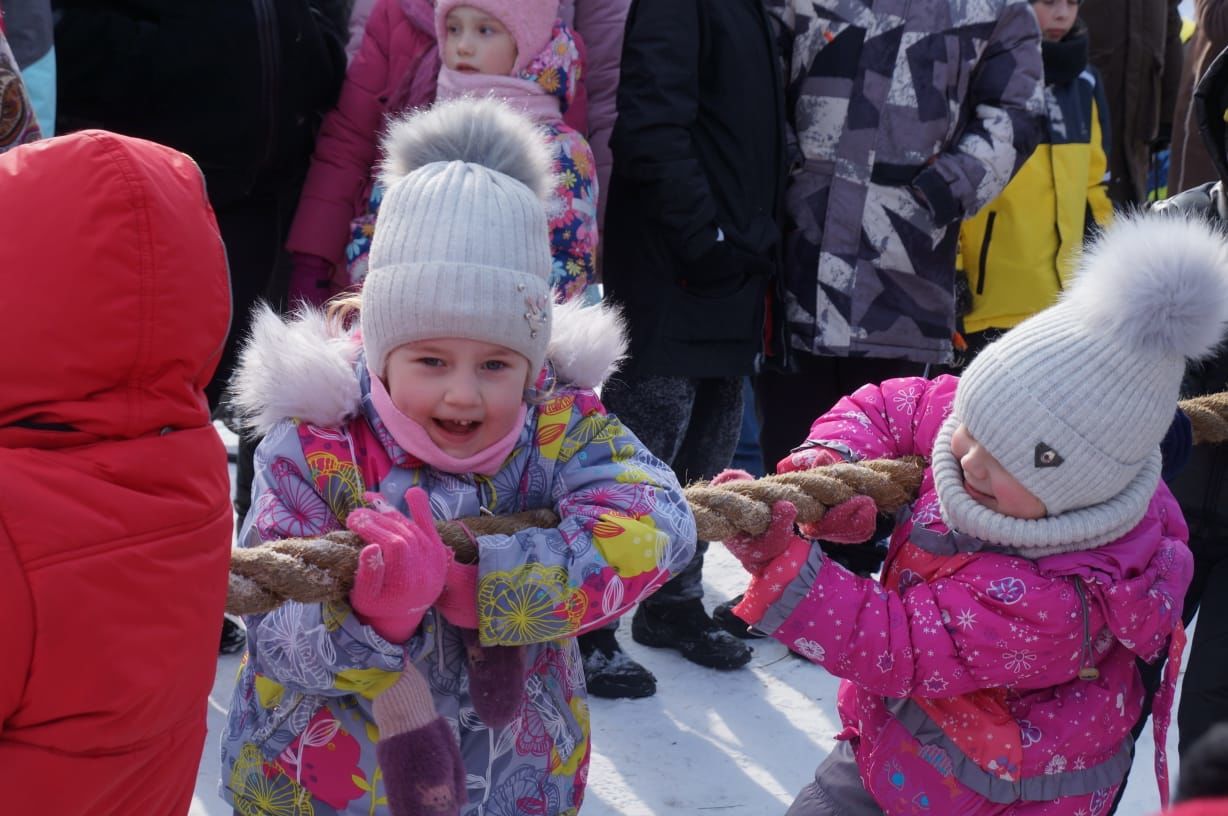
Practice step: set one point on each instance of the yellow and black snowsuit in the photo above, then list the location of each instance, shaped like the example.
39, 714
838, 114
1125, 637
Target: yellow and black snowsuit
1019, 251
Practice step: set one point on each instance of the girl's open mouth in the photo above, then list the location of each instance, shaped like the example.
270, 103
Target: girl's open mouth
458, 427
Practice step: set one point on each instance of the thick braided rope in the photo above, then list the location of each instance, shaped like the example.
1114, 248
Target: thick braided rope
312, 570
746, 506
1209, 417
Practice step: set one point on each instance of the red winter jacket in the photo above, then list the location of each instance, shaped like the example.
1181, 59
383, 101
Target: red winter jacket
115, 520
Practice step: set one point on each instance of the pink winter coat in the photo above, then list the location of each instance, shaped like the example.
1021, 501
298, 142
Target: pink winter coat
600, 24
394, 69
962, 689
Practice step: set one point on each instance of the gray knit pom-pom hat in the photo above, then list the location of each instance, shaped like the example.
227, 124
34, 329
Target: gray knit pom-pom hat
461, 246
1075, 400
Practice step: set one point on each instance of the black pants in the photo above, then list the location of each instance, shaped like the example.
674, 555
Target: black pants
692, 425
1202, 490
254, 232
790, 403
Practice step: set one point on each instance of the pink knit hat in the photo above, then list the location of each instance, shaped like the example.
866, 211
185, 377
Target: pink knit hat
530, 22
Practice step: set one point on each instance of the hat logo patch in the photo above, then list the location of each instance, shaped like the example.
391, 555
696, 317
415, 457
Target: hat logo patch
1047, 457
537, 317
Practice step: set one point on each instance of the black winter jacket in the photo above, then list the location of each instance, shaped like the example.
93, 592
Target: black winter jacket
239, 85
698, 147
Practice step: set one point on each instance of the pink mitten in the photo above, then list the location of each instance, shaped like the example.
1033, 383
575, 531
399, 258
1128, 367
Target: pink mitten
400, 572
731, 475
459, 600
849, 522
755, 552
310, 279
423, 771
765, 589
808, 458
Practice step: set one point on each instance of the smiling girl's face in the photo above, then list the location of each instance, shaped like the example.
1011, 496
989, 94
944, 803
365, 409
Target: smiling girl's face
466, 394
477, 43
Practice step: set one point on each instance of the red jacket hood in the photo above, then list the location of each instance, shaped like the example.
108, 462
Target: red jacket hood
118, 292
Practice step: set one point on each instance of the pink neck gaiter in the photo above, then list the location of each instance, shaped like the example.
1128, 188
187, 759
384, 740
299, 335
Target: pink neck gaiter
417, 442
523, 94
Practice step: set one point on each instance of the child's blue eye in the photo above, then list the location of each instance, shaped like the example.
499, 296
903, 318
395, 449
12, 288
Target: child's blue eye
432, 362
494, 365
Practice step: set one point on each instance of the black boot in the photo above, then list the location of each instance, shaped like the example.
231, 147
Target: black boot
722, 616
609, 672
686, 627
234, 637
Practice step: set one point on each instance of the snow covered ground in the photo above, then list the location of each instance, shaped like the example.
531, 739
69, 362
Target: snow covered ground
739, 743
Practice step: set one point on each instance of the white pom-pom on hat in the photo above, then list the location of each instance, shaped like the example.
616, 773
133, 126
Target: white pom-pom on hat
1159, 281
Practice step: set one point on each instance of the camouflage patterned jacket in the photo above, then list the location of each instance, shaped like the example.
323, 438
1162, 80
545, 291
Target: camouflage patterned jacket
909, 115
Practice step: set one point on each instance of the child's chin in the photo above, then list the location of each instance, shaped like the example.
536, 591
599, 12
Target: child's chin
457, 451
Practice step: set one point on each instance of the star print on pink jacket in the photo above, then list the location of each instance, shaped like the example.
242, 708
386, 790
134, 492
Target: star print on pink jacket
964, 669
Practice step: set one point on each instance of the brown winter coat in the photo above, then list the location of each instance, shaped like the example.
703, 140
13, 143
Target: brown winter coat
1191, 165
1136, 45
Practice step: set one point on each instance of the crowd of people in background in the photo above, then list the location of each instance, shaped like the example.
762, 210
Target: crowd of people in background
816, 220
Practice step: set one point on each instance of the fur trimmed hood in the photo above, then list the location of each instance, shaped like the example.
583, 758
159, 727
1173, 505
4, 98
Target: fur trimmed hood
298, 367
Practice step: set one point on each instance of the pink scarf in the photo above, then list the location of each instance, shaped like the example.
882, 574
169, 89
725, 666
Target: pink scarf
523, 94
417, 442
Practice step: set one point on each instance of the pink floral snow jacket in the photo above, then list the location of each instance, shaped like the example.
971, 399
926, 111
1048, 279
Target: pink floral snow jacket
962, 687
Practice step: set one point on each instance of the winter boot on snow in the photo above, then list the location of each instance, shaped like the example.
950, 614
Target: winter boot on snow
234, 636
722, 616
685, 626
609, 672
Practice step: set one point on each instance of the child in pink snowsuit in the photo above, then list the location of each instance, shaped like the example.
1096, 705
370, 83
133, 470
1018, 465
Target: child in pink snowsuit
991, 669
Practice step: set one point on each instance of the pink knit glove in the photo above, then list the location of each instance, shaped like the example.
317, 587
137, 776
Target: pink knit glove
459, 601
807, 459
850, 522
311, 279
756, 552
767, 588
402, 569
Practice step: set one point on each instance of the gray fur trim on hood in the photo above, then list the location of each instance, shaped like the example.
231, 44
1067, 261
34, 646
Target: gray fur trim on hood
299, 367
